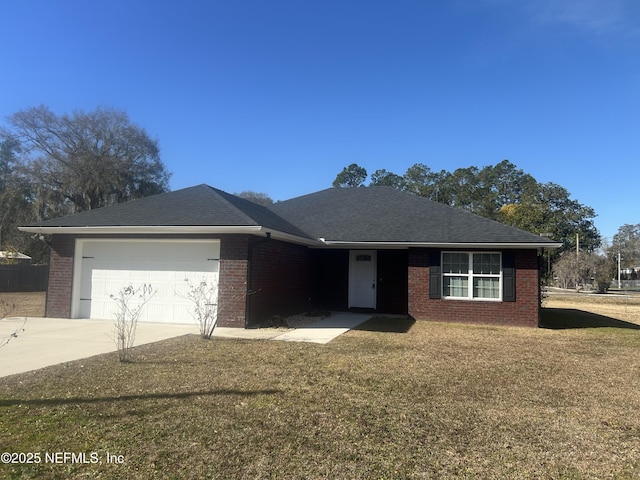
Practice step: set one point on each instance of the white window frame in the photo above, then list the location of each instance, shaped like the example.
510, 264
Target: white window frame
470, 276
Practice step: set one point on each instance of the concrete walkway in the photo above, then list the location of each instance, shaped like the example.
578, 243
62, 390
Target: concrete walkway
49, 341
325, 330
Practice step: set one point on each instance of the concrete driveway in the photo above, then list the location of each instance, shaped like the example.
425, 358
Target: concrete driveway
50, 341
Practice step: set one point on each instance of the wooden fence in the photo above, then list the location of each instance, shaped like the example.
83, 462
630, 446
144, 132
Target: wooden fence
24, 277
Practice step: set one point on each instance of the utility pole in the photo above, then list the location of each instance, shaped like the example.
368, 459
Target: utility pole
619, 272
577, 245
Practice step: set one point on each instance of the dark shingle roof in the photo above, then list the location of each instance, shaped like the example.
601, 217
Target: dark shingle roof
365, 214
384, 214
201, 205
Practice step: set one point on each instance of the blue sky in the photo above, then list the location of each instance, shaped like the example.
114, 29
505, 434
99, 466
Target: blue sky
277, 96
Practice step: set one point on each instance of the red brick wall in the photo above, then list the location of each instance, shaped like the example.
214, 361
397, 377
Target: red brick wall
60, 276
524, 311
232, 290
280, 280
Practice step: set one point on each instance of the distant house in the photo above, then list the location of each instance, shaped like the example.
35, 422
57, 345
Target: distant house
368, 249
13, 258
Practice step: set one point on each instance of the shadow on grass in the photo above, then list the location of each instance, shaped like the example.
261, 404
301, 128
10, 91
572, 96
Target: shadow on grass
565, 318
9, 402
387, 324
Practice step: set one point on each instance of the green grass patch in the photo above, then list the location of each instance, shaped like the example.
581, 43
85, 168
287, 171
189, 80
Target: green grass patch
412, 400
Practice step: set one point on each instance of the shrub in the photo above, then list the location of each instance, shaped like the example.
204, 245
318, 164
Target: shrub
127, 315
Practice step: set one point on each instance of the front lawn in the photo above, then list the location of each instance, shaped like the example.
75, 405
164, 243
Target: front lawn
439, 401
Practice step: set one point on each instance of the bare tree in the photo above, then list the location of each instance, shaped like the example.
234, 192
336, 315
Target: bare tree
87, 160
576, 270
627, 243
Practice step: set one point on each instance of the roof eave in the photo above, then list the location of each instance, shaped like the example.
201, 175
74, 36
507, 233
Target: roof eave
263, 231
168, 230
457, 245
138, 229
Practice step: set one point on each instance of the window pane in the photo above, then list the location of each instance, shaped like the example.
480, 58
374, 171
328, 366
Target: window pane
486, 263
486, 287
456, 286
455, 263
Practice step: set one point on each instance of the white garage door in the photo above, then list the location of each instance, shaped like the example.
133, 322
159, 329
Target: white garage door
105, 267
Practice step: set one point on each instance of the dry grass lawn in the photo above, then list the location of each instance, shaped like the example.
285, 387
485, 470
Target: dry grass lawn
27, 304
437, 401
621, 307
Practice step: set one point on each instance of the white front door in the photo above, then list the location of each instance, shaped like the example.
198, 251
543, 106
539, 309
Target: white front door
362, 278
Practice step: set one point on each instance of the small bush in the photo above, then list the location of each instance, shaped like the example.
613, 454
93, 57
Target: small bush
204, 299
129, 311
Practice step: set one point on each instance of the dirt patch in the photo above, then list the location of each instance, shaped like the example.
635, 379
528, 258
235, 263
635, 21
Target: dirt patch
24, 304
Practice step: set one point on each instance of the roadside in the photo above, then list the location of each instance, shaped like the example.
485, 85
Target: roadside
609, 294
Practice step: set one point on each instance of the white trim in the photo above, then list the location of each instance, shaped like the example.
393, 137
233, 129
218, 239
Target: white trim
135, 230
470, 275
288, 237
261, 230
402, 245
171, 230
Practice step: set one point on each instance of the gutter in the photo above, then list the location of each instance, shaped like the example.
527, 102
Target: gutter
168, 230
139, 229
404, 245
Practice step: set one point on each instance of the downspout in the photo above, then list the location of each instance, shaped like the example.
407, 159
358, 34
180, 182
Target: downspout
247, 298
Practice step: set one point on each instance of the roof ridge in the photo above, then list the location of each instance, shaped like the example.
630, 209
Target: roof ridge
222, 194
263, 209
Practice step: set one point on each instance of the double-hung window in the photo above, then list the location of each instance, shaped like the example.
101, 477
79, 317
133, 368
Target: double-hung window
472, 275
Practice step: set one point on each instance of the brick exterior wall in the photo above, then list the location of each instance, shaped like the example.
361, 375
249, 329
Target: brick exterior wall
60, 277
280, 280
232, 286
284, 281
523, 312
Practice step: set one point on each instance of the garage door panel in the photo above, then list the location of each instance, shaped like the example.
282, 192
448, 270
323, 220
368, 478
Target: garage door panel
152, 249
109, 267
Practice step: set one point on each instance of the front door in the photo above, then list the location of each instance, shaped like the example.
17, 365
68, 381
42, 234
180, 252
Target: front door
362, 278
